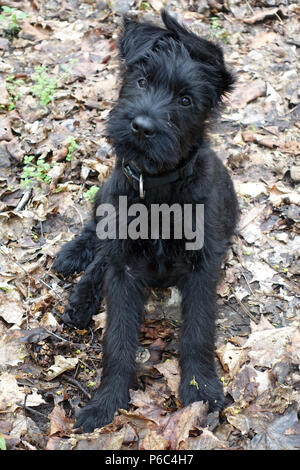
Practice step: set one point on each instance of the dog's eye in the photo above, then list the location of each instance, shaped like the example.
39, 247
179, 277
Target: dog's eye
142, 83
185, 101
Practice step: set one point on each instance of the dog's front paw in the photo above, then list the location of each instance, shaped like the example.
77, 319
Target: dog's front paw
101, 411
202, 389
66, 263
74, 257
76, 316
94, 416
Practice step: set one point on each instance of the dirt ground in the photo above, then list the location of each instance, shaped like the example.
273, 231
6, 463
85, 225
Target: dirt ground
58, 81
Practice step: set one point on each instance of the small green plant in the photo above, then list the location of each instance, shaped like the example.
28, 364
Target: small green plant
145, 6
2, 443
35, 172
10, 17
217, 33
12, 86
45, 86
91, 193
72, 146
68, 67
194, 383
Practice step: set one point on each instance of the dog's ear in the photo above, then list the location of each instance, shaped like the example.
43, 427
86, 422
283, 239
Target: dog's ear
137, 39
203, 51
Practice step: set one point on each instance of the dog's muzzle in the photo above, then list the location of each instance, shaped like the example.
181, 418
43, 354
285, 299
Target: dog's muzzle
143, 127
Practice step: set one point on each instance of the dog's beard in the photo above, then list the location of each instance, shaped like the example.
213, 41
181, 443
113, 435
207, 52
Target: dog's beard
157, 154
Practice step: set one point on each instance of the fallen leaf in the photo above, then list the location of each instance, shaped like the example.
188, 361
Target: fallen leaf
265, 348
263, 14
281, 434
173, 430
61, 364
4, 96
10, 351
170, 370
263, 38
246, 93
252, 189
278, 193
231, 358
153, 440
206, 441
11, 394
59, 423
11, 308
97, 441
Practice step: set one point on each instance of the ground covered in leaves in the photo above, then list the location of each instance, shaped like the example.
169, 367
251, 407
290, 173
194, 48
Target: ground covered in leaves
58, 81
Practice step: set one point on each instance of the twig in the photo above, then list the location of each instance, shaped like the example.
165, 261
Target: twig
292, 110
29, 275
63, 339
243, 274
27, 304
243, 307
77, 384
28, 408
81, 219
250, 7
23, 201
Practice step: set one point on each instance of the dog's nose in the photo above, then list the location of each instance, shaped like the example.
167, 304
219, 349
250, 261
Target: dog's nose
143, 126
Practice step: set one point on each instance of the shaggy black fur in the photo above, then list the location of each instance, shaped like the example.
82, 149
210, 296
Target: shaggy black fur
173, 80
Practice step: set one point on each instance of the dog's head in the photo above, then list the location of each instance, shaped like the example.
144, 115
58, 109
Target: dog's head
172, 80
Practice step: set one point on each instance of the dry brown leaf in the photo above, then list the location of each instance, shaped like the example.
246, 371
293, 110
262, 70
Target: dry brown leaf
59, 423
170, 370
98, 441
174, 428
206, 441
247, 92
263, 14
293, 347
265, 348
154, 441
4, 96
5, 129
264, 140
263, 38
252, 189
183, 421
252, 417
11, 308
61, 364
11, 352
278, 193
157, 4
100, 320
11, 394
32, 33
231, 358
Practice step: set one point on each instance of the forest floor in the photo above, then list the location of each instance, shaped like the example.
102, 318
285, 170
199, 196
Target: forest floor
58, 82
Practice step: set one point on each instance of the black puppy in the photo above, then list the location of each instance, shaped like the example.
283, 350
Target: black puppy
171, 82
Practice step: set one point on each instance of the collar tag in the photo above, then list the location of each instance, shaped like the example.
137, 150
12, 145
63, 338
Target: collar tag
141, 187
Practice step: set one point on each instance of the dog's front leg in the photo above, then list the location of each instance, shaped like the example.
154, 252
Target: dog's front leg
125, 304
198, 377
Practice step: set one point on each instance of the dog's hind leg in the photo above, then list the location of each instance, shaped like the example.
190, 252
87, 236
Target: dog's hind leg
198, 377
77, 254
86, 296
125, 305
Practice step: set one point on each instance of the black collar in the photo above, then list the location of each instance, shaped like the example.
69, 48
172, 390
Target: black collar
141, 182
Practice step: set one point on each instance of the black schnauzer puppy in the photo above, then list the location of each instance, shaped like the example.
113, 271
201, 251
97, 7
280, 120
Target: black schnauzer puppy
171, 82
